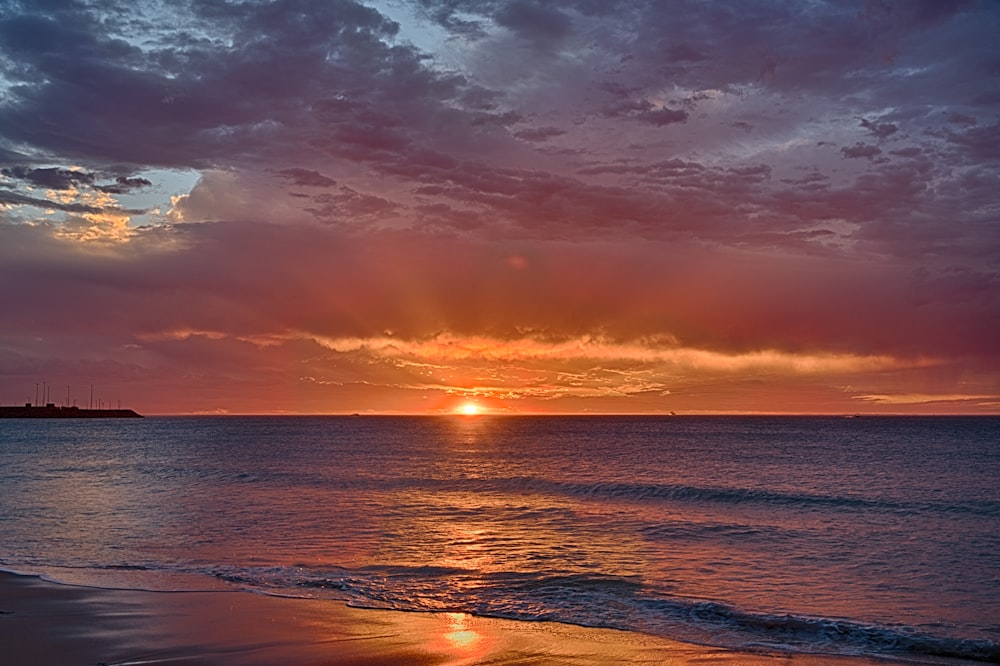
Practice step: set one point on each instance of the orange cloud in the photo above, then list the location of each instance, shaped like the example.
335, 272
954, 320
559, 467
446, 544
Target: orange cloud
924, 398
447, 347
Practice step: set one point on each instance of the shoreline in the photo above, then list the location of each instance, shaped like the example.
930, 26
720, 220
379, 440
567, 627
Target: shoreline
53, 624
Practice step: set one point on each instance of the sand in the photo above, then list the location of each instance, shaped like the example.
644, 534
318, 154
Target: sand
47, 624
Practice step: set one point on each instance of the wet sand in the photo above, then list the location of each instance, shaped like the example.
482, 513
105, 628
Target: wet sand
47, 624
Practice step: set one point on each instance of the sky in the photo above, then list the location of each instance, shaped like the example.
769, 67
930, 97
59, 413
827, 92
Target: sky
536, 206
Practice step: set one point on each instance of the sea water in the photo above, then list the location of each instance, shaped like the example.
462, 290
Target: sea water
850, 536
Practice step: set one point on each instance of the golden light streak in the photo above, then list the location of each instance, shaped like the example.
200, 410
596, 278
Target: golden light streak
448, 348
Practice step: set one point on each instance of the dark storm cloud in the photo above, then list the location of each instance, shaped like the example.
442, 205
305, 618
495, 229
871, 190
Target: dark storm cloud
241, 85
16, 199
245, 85
244, 91
52, 178
539, 22
124, 185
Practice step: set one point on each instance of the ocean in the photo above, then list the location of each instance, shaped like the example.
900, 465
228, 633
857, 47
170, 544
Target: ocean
875, 536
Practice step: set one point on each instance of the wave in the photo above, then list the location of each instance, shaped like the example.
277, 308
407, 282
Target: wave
615, 602
830, 635
641, 492
718, 495
677, 530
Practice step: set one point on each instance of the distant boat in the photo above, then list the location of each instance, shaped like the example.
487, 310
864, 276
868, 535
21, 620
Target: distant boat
50, 411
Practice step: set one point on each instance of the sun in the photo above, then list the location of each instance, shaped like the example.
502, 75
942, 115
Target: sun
469, 409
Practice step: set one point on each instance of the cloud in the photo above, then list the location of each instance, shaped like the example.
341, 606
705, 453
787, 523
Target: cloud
539, 133
193, 102
15, 199
333, 284
661, 117
535, 21
861, 151
124, 185
879, 130
53, 178
306, 178
925, 398
978, 143
813, 182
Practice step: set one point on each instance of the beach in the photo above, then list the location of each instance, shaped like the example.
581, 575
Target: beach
49, 624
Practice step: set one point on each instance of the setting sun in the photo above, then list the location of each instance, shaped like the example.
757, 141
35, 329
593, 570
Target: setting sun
469, 409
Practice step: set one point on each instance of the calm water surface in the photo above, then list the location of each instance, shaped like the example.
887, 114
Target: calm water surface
876, 536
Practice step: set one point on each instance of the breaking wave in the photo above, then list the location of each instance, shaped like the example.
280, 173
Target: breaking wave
615, 602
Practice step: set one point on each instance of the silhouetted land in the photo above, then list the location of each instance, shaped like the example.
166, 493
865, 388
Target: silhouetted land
53, 412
